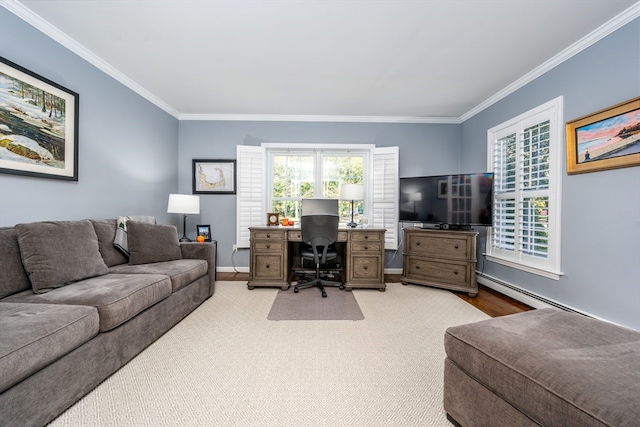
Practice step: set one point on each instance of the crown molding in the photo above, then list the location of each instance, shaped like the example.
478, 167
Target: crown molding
36, 21
48, 29
604, 30
312, 118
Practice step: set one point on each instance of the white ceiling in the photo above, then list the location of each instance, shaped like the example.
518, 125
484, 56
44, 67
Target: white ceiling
395, 60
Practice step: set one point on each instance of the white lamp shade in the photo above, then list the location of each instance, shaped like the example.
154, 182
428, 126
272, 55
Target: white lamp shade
352, 192
414, 197
183, 204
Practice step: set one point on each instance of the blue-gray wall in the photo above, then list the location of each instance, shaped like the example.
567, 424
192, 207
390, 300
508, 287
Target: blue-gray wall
424, 149
600, 210
127, 145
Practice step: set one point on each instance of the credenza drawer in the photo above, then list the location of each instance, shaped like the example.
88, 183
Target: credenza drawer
447, 272
440, 247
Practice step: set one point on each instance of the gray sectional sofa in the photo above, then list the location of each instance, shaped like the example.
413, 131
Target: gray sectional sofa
74, 309
545, 367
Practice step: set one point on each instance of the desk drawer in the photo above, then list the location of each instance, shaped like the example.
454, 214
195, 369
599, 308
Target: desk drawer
294, 235
267, 267
365, 236
268, 234
365, 268
268, 246
374, 247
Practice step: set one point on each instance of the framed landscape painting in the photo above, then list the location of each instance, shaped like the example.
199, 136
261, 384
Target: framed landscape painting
38, 125
604, 140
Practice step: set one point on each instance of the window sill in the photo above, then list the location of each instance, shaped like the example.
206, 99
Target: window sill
549, 274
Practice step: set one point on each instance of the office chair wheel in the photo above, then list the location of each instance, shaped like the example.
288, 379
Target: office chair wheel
296, 290
342, 286
324, 293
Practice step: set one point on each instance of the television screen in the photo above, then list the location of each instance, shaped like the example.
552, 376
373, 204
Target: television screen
456, 200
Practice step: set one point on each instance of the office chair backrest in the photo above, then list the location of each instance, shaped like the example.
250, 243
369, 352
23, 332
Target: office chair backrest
319, 206
319, 232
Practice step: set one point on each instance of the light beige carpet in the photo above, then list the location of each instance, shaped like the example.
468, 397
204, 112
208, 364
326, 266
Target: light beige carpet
227, 365
308, 304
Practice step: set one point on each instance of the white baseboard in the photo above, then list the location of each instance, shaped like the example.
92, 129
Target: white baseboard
393, 271
232, 269
526, 297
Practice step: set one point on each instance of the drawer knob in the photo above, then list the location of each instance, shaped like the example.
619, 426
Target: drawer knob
455, 272
417, 267
456, 246
268, 266
366, 268
417, 243
366, 248
268, 246
366, 237
268, 235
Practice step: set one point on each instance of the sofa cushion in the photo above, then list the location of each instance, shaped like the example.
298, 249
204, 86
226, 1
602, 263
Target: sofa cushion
13, 278
549, 363
34, 335
57, 253
152, 243
118, 297
106, 232
182, 271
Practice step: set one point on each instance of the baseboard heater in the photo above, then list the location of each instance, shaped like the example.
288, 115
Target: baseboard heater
521, 295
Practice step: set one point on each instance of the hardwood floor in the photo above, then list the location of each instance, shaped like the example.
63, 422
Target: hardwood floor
489, 301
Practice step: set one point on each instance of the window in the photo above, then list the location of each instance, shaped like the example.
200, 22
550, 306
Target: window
525, 156
276, 177
314, 173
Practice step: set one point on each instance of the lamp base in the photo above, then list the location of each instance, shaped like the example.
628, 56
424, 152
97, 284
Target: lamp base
185, 239
352, 224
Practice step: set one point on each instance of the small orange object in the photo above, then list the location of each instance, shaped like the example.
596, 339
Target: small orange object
291, 222
285, 221
200, 238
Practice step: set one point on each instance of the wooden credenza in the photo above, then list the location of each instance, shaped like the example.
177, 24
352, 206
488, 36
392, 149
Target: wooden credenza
440, 258
272, 254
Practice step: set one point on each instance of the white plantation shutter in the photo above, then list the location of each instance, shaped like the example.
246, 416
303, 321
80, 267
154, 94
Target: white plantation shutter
525, 155
250, 191
384, 188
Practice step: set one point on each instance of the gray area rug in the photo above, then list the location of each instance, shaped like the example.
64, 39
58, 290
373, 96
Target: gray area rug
308, 304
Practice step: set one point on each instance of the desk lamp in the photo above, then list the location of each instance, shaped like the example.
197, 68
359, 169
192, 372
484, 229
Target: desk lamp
352, 192
184, 204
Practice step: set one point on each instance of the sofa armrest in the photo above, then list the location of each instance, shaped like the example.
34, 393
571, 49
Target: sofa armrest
205, 251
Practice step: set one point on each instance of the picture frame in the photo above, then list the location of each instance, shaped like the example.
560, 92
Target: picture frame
38, 125
606, 139
212, 176
443, 188
205, 231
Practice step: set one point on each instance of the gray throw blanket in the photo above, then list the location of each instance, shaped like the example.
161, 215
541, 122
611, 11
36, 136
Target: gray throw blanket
120, 241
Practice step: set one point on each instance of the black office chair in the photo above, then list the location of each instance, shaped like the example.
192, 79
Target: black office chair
319, 234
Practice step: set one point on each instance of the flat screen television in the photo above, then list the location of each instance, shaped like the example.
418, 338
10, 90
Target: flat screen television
447, 201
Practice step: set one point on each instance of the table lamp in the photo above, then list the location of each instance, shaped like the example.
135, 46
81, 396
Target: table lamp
184, 204
352, 192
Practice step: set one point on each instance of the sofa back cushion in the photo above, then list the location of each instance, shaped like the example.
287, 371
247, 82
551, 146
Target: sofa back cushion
13, 278
150, 243
56, 253
106, 232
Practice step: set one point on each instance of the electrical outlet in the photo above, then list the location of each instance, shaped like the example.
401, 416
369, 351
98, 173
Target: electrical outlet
235, 248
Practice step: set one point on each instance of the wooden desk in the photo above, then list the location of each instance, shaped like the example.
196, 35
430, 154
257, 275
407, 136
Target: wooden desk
272, 254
